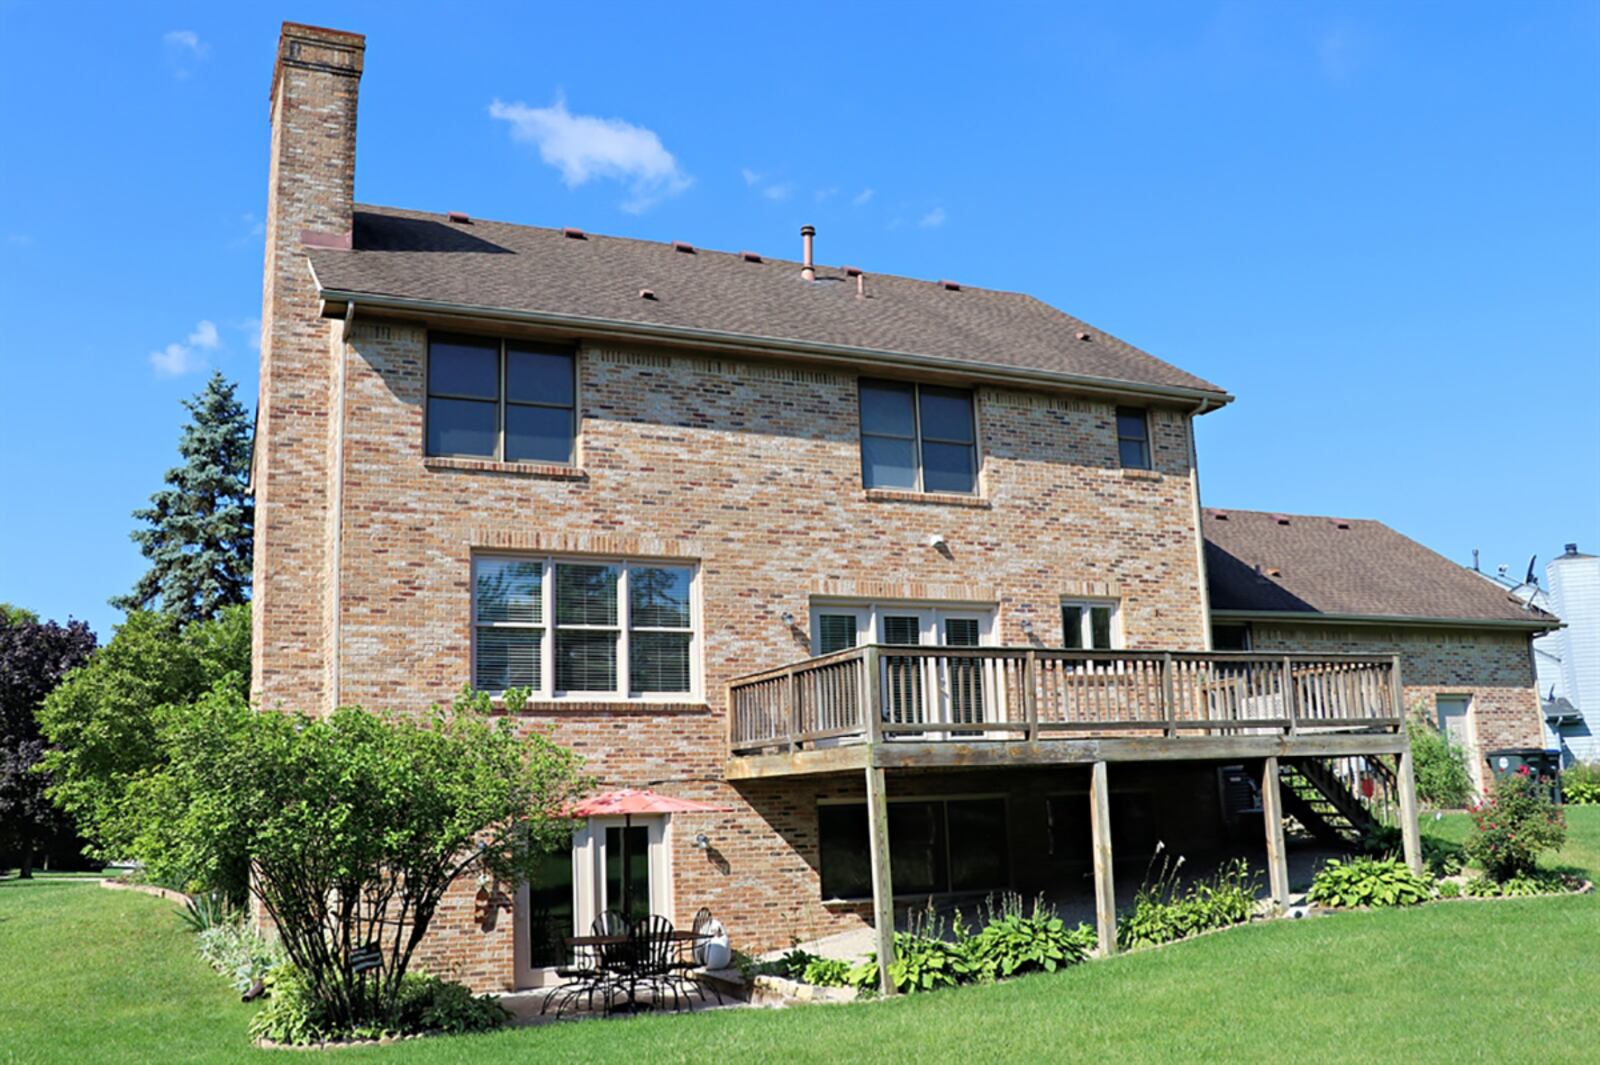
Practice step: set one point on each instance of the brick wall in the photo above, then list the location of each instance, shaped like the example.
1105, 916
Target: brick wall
1493, 668
751, 469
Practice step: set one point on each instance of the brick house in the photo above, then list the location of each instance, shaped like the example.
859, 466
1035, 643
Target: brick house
909, 576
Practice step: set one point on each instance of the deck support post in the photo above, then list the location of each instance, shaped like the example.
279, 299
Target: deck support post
1410, 833
1272, 814
1105, 895
882, 876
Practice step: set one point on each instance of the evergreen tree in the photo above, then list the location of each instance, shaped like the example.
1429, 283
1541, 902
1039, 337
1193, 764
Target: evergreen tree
200, 526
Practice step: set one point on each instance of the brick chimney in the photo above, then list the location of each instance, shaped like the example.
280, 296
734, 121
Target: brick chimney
310, 194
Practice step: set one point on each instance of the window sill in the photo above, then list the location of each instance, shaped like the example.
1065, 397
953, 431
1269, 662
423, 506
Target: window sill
1141, 475
685, 705
946, 499
549, 470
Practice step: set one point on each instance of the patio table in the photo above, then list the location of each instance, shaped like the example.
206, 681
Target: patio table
629, 969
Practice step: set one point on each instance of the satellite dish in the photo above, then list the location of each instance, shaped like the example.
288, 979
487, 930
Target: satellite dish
1530, 578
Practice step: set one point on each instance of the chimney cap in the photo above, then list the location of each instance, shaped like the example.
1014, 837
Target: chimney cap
1572, 549
808, 231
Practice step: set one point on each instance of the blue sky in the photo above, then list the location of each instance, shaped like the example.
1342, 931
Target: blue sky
1378, 225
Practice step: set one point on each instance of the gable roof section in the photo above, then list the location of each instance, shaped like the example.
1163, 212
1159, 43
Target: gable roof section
495, 267
1345, 568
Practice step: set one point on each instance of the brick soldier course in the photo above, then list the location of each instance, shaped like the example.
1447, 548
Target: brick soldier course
741, 460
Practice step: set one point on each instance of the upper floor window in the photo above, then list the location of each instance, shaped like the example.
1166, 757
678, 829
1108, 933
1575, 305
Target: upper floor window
1133, 438
509, 400
1089, 625
917, 437
569, 627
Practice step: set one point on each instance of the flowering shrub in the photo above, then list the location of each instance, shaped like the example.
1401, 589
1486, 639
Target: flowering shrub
1514, 824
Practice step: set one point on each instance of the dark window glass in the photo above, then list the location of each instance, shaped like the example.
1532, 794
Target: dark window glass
946, 414
1230, 637
917, 437
534, 376
586, 595
977, 829
905, 631
659, 661
917, 847
637, 904
658, 597
550, 908
961, 632
1072, 627
1100, 627
835, 632
1071, 834
845, 851
505, 658
538, 434
464, 368
888, 409
461, 427
586, 660
947, 467
1133, 438
887, 462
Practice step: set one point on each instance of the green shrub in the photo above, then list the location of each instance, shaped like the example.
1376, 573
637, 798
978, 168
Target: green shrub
1480, 887
922, 962
1442, 857
1449, 889
1014, 940
1514, 825
1440, 768
1580, 784
1369, 882
826, 972
791, 966
294, 1015
1165, 909
239, 953
358, 825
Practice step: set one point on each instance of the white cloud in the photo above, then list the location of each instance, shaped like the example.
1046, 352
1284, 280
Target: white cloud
933, 219
585, 147
823, 195
777, 193
251, 328
184, 48
750, 176
862, 198
187, 357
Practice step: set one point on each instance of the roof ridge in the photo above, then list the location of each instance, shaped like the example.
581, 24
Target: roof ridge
1288, 514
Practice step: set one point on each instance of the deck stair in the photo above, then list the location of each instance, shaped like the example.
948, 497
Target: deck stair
1316, 797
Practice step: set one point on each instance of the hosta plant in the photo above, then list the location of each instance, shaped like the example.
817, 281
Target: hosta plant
1369, 882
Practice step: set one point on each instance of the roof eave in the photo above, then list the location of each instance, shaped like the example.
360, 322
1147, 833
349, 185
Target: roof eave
1203, 400
1316, 617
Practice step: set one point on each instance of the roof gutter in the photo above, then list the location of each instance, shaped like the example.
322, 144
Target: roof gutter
1203, 399
1303, 617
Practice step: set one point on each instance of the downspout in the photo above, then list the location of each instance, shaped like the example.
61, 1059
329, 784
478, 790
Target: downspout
336, 589
1199, 532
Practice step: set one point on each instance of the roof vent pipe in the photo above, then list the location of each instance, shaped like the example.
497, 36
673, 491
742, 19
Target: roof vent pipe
861, 286
808, 269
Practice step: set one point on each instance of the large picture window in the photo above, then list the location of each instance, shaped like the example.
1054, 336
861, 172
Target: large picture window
510, 400
935, 846
918, 437
588, 628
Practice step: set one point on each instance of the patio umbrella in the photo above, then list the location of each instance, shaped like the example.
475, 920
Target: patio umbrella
630, 801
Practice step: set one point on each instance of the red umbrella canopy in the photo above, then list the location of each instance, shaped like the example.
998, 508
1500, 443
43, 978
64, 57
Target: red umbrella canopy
627, 801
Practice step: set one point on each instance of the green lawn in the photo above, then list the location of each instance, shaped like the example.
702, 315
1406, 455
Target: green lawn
92, 975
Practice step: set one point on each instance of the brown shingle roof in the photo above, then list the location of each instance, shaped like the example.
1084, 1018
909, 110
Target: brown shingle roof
1349, 567
523, 269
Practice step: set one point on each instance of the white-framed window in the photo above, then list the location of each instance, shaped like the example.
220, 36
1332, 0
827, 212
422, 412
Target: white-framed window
1091, 624
838, 625
586, 628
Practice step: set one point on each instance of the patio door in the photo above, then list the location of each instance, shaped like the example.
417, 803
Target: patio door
576, 885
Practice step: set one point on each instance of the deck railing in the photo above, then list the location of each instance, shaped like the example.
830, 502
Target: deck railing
885, 693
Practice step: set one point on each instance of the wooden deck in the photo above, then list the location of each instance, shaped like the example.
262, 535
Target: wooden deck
987, 706
880, 708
